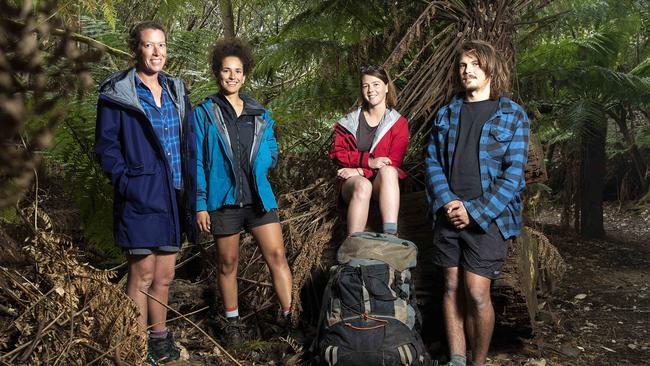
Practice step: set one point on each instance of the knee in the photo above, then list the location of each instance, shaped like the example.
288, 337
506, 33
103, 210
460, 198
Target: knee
164, 278
451, 284
228, 265
388, 172
143, 279
479, 297
362, 189
277, 258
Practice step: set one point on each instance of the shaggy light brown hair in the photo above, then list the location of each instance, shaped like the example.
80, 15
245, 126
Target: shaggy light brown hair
489, 61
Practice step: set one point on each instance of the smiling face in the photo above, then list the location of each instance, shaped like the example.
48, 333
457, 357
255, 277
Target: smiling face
231, 75
152, 51
472, 77
373, 90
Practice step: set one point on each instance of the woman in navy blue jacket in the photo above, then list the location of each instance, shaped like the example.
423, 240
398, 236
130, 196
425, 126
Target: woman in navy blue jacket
237, 148
146, 144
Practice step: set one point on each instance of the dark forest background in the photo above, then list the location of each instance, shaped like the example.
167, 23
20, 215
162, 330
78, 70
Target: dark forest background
581, 69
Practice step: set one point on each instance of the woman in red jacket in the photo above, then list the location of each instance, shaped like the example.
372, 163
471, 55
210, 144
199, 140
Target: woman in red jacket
369, 146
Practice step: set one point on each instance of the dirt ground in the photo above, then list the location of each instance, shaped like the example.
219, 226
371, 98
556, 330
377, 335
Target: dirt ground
600, 315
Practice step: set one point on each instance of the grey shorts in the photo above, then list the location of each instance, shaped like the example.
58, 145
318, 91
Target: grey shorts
471, 249
231, 220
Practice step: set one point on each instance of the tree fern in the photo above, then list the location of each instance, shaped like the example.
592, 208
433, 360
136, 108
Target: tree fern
109, 13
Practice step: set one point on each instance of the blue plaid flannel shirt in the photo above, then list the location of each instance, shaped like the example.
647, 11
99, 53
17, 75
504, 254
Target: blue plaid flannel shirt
503, 152
166, 123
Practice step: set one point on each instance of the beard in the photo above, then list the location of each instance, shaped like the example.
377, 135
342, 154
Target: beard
473, 84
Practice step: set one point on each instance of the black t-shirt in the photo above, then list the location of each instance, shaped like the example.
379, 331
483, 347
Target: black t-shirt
365, 134
241, 131
465, 179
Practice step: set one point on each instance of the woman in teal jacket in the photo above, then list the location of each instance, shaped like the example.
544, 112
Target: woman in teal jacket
236, 148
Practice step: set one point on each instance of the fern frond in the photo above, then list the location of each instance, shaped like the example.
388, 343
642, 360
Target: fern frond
109, 13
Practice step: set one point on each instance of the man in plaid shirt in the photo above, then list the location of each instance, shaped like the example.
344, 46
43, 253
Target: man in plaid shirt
475, 173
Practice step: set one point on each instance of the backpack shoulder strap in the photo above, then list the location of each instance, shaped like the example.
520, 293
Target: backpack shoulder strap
327, 294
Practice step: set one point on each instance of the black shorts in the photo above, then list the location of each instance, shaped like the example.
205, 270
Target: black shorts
163, 249
232, 219
471, 249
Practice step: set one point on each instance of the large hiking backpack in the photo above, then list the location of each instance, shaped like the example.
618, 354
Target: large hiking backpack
369, 314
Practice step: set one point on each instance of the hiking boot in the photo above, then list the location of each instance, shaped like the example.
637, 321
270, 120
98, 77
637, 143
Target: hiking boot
286, 324
233, 332
162, 350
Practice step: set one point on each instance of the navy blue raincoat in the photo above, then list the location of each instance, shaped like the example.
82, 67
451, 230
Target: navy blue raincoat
145, 209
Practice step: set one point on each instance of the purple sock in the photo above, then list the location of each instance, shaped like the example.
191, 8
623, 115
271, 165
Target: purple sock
156, 334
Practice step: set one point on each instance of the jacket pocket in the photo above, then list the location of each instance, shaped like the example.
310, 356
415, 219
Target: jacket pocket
134, 171
146, 190
498, 140
501, 134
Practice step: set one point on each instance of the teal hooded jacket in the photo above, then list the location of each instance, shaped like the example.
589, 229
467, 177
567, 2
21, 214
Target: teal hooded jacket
216, 183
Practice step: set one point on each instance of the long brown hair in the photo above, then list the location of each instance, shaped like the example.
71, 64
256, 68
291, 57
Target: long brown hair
489, 62
381, 74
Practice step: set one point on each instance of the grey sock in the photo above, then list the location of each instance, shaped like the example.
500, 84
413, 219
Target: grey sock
458, 360
390, 227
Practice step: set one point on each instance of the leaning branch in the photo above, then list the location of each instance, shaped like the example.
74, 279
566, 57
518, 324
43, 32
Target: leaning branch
86, 40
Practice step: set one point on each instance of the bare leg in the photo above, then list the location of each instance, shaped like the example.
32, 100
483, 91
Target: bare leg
481, 313
141, 274
453, 302
269, 239
162, 278
227, 261
385, 189
356, 193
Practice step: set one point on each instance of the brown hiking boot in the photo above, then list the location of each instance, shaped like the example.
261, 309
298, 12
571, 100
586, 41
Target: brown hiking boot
233, 332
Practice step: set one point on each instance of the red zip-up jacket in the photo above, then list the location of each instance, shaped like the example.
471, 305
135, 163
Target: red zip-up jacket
391, 140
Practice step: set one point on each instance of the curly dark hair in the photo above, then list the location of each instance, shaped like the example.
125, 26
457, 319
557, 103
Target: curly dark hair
231, 47
134, 33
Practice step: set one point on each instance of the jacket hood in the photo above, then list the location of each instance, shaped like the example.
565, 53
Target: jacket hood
351, 123
119, 87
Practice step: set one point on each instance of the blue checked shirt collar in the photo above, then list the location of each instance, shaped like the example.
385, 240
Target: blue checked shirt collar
165, 122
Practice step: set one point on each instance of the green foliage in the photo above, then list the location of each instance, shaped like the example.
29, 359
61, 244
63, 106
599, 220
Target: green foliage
308, 72
8, 215
109, 13
71, 155
581, 67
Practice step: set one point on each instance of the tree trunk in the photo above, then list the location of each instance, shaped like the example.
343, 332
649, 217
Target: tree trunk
592, 180
635, 154
227, 18
535, 170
